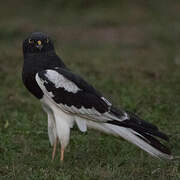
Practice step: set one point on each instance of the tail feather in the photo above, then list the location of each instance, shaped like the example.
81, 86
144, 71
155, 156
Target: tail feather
141, 133
134, 118
139, 128
154, 142
147, 126
132, 137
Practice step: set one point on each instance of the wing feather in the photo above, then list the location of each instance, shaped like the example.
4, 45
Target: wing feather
74, 95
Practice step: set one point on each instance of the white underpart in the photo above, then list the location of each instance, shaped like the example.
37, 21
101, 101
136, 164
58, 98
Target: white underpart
61, 82
61, 126
51, 124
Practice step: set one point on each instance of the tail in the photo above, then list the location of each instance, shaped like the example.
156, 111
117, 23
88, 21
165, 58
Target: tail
140, 133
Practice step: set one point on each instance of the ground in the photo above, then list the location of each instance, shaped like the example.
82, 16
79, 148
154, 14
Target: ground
127, 50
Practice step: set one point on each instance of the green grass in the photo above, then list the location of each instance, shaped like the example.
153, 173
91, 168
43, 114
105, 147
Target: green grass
129, 51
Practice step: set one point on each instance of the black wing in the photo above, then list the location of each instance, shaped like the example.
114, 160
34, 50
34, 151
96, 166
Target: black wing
73, 94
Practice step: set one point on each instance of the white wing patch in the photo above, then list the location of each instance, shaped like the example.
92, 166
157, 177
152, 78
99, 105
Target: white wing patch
61, 82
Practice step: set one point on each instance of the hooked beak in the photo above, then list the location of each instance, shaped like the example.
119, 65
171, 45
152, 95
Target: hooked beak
39, 45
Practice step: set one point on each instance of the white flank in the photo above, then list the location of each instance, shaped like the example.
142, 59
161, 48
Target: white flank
61, 82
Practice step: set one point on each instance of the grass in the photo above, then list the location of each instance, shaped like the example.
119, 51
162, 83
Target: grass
129, 51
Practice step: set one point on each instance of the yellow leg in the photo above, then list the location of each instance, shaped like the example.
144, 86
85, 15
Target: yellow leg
62, 154
54, 148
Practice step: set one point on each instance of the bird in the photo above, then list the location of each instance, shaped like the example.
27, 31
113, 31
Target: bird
68, 99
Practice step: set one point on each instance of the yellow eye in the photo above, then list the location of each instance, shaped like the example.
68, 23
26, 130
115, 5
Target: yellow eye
39, 42
31, 41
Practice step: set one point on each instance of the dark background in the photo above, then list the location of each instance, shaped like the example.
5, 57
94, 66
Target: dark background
129, 50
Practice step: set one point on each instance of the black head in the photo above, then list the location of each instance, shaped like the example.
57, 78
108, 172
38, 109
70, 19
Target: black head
37, 42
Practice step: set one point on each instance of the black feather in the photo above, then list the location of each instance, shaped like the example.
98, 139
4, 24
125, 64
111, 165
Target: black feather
154, 142
147, 131
86, 97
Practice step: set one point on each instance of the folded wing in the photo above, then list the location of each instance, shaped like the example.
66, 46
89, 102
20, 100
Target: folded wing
74, 95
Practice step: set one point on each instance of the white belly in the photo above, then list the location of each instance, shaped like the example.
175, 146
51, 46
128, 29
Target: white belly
59, 122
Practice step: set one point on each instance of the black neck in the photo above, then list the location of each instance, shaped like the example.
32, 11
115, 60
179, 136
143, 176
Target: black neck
36, 62
48, 53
